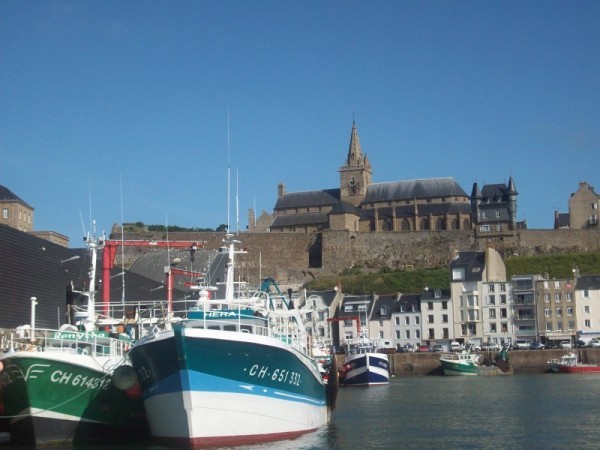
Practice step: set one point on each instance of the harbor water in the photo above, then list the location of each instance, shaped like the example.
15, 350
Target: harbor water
549, 411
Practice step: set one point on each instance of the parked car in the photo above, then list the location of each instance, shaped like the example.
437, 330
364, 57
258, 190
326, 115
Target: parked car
551, 344
580, 344
423, 348
521, 344
594, 343
456, 347
565, 344
536, 346
491, 346
437, 348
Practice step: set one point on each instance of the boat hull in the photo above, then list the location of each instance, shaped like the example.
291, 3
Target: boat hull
454, 368
366, 369
219, 388
579, 368
65, 398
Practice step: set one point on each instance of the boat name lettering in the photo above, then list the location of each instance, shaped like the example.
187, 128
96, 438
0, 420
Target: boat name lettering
279, 375
78, 336
58, 376
220, 314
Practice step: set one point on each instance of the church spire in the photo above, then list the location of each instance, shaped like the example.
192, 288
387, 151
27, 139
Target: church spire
355, 156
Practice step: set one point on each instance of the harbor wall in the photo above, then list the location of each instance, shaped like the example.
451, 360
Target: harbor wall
521, 361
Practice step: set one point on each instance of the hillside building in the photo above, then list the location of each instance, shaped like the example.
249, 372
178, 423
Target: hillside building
478, 290
359, 204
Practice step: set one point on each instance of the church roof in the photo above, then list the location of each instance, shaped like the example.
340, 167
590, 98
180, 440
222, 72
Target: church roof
494, 190
290, 220
345, 208
324, 197
411, 189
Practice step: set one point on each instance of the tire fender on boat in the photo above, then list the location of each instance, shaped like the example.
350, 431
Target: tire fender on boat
124, 377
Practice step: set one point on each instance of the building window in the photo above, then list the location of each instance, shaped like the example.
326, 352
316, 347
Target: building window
559, 326
571, 325
492, 300
418, 334
491, 288
430, 318
547, 312
569, 311
503, 313
557, 297
497, 214
587, 323
431, 333
556, 284
502, 287
569, 296
397, 320
407, 320
430, 306
548, 326
558, 312
444, 304
492, 313
493, 327
445, 333
546, 298
444, 318
503, 299
397, 334
407, 334
586, 309
5, 213
484, 228
417, 320
586, 293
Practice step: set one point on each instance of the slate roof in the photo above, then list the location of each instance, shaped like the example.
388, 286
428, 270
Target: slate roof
588, 282
288, 220
410, 302
430, 294
326, 296
325, 197
411, 189
358, 299
495, 192
472, 262
6, 195
388, 303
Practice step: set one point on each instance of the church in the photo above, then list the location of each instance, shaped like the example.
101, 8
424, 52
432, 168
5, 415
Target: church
360, 205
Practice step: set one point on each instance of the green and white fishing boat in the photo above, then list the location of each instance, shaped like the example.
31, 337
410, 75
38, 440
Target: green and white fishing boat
460, 363
57, 386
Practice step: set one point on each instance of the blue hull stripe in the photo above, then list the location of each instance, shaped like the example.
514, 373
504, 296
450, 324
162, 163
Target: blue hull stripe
187, 380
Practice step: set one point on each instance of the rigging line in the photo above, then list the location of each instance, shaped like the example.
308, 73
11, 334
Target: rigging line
228, 170
122, 244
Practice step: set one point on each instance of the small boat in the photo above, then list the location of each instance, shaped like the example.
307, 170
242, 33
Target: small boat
363, 364
56, 386
460, 363
231, 371
569, 364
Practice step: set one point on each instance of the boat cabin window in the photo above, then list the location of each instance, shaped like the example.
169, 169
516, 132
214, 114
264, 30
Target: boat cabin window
229, 328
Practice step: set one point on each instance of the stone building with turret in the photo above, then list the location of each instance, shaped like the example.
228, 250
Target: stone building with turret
359, 204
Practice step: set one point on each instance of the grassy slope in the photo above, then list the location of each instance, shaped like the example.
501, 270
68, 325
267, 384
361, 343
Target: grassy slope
413, 282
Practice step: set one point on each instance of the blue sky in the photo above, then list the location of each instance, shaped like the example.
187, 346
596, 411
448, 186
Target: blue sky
118, 110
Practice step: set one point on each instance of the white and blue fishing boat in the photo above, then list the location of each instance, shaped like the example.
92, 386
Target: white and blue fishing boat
364, 364
230, 372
